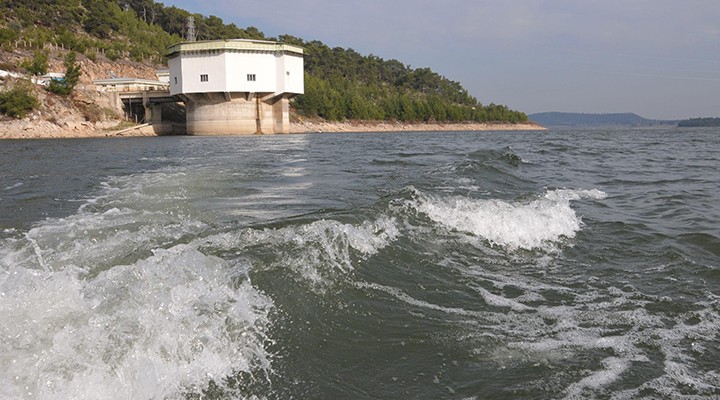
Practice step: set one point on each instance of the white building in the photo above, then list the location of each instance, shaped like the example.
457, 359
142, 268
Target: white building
128, 85
163, 75
45, 80
236, 86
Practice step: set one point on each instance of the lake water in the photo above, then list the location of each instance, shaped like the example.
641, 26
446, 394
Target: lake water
577, 264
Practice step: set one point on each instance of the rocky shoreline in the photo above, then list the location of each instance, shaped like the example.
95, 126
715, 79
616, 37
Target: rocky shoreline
386, 126
39, 129
90, 114
24, 129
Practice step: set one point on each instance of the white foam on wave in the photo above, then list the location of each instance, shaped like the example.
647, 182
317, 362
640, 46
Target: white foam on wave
406, 298
581, 330
151, 191
127, 217
539, 342
575, 194
600, 321
94, 241
614, 367
519, 225
321, 252
568, 319
15, 186
165, 325
500, 301
105, 304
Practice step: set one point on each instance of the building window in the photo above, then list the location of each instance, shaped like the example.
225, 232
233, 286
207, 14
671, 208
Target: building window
251, 77
176, 80
203, 78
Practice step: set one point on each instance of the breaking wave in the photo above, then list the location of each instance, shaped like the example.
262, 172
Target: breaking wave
538, 224
134, 297
163, 326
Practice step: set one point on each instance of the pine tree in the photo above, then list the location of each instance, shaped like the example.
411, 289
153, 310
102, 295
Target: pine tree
72, 76
18, 101
38, 65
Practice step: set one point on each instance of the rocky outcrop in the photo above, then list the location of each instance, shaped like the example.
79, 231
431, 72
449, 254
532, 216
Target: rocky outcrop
93, 70
85, 113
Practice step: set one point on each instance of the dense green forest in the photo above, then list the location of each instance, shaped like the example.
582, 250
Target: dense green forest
339, 83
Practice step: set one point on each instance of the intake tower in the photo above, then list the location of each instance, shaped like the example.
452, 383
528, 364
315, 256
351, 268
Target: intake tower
236, 86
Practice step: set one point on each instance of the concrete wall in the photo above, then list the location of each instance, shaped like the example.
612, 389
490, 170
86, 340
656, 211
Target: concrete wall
240, 65
290, 74
228, 72
214, 114
185, 73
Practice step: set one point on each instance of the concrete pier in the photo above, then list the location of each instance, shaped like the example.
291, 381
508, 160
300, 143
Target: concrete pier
236, 113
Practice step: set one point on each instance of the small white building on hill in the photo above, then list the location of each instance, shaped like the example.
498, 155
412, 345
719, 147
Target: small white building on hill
128, 85
236, 86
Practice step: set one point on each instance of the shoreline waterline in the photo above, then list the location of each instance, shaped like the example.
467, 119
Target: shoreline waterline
389, 126
23, 129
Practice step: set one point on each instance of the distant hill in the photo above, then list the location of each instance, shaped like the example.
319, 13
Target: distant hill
699, 122
583, 119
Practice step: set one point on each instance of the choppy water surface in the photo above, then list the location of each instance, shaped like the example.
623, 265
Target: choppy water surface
480, 265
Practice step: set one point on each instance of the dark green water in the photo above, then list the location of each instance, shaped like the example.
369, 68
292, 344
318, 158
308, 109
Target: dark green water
481, 265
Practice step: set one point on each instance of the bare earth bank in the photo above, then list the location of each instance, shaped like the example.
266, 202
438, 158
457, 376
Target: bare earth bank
39, 129
385, 126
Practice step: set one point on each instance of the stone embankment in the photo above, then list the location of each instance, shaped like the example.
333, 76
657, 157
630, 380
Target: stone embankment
34, 128
389, 126
38, 129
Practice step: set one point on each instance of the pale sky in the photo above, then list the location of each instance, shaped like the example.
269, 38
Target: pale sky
657, 58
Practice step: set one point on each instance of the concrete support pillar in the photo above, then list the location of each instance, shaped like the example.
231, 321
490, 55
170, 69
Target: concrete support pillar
153, 116
237, 113
281, 111
267, 114
153, 113
212, 114
115, 102
275, 114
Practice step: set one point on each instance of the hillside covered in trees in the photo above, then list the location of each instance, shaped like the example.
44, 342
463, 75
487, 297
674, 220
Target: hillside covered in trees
339, 83
699, 123
586, 119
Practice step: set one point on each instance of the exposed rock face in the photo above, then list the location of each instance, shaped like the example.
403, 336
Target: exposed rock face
59, 116
91, 70
104, 69
85, 112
